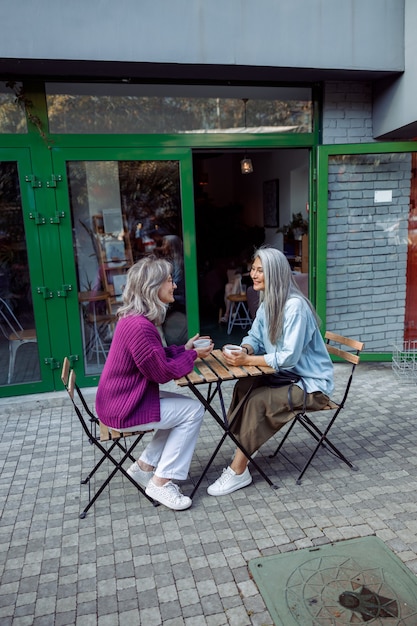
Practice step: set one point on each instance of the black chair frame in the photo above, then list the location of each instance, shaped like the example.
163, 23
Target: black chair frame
98, 435
350, 355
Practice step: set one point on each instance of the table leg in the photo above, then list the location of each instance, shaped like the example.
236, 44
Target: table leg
224, 424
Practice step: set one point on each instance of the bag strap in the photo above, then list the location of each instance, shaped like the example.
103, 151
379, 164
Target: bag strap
290, 402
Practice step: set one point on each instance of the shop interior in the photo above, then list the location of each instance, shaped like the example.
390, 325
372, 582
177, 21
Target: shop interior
235, 212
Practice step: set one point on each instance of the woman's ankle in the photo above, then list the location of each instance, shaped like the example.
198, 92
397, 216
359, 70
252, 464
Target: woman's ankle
145, 467
160, 482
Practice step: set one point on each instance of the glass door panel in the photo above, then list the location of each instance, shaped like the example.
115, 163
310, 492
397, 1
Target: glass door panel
121, 211
367, 247
19, 353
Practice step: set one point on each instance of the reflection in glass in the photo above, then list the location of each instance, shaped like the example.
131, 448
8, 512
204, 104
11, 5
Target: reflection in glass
178, 109
367, 244
12, 116
19, 358
121, 211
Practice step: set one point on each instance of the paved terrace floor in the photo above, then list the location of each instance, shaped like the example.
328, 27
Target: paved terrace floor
129, 563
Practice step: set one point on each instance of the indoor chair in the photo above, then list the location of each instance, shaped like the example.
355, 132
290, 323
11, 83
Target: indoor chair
107, 441
348, 351
14, 333
239, 314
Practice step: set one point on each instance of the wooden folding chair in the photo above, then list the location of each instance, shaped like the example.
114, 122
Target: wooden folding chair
107, 440
347, 350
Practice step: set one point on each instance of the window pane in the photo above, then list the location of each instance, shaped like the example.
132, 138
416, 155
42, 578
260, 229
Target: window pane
19, 357
177, 109
12, 117
121, 211
367, 247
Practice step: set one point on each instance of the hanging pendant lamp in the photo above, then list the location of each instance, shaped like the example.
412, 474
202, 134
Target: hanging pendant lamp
246, 166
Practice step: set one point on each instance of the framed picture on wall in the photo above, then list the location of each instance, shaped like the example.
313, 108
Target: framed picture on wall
271, 203
112, 221
115, 250
119, 282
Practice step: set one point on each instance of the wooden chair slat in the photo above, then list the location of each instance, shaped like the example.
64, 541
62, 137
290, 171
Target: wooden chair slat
71, 384
344, 341
104, 432
347, 356
65, 371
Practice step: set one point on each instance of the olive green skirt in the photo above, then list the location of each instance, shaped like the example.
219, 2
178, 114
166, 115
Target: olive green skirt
257, 412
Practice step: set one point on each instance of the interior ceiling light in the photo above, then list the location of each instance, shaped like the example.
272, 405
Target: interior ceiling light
246, 166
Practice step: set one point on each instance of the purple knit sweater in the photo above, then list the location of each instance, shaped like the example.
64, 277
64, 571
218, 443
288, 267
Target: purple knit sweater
128, 390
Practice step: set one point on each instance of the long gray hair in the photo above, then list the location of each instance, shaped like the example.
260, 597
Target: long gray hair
140, 295
279, 286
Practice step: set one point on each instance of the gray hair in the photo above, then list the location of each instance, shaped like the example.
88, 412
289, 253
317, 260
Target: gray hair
279, 286
140, 295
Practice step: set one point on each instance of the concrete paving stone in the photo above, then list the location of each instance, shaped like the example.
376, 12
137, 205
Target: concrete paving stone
170, 610
186, 583
219, 619
106, 604
176, 621
110, 619
202, 573
148, 599
238, 616
66, 618
164, 580
124, 595
194, 611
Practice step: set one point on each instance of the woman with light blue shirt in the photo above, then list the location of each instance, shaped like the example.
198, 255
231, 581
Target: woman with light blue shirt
285, 335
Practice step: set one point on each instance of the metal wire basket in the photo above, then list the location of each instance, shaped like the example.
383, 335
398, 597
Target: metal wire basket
404, 361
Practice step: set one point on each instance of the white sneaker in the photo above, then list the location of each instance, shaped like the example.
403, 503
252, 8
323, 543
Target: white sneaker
229, 481
139, 475
169, 495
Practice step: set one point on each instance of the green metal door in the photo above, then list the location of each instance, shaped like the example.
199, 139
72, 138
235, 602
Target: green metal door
27, 302
119, 204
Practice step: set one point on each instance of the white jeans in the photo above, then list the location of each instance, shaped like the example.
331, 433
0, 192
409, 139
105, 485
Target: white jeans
172, 446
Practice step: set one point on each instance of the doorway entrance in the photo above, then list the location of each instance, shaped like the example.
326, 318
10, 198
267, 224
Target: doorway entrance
236, 212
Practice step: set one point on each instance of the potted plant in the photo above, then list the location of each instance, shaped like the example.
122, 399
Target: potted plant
296, 228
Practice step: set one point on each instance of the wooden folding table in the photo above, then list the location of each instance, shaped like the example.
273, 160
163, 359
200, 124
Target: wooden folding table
212, 372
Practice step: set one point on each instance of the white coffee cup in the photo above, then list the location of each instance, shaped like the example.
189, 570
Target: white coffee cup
229, 348
201, 343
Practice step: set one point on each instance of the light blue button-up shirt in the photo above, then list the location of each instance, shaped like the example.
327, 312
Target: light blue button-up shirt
300, 348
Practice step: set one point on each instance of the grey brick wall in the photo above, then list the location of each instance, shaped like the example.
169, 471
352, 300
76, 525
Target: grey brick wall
367, 248
347, 112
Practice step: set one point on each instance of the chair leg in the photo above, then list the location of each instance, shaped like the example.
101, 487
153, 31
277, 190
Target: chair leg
283, 440
118, 467
321, 439
13, 347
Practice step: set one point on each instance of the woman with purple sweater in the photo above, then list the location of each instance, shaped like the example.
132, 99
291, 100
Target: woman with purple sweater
128, 393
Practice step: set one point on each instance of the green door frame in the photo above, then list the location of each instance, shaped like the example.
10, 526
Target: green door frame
323, 154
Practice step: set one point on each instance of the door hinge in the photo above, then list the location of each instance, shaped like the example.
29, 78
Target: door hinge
53, 180
39, 219
62, 293
53, 363
57, 217
45, 292
73, 358
35, 183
